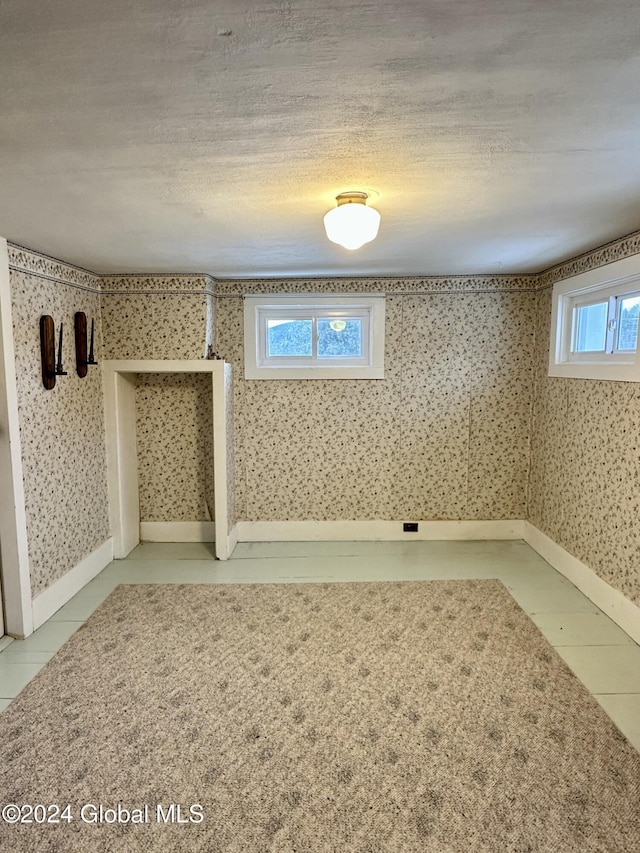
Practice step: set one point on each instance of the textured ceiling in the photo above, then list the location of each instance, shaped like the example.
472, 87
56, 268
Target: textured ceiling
202, 136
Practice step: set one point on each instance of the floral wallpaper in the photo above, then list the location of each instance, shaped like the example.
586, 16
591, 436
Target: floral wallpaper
156, 317
584, 487
465, 425
175, 447
444, 436
167, 317
62, 430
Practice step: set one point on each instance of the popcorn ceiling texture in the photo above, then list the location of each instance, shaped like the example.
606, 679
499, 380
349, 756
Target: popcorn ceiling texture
61, 431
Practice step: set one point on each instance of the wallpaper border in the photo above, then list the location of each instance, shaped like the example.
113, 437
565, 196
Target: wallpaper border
33, 262
607, 253
396, 286
188, 284
39, 265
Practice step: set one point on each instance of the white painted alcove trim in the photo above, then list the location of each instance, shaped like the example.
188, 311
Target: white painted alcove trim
122, 464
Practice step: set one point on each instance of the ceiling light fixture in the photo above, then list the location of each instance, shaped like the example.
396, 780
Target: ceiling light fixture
352, 224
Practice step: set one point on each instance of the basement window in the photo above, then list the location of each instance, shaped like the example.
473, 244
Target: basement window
594, 332
314, 337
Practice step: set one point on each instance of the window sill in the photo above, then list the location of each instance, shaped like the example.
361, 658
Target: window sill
595, 370
314, 373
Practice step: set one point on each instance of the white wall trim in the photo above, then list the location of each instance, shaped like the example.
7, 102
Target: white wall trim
61, 591
16, 575
369, 307
178, 531
220, 459
166, 365
122, 463
233, 538
313, 531
612, 602
122, 460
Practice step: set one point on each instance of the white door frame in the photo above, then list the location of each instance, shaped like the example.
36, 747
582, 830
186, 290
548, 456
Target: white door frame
122, 464
16, 577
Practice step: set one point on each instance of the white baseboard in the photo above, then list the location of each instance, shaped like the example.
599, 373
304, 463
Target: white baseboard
61, 591
233, 538
178, 531
358, 531
612, 602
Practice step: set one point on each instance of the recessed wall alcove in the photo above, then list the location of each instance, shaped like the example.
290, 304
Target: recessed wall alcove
122, 463
174, 445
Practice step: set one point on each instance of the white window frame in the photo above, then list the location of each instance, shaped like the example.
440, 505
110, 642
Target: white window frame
606, 283
370, 309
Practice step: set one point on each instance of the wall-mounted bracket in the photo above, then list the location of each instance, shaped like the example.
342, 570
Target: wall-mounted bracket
82, 359
50, 367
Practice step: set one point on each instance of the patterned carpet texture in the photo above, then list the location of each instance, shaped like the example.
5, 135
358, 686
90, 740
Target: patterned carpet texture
350, 718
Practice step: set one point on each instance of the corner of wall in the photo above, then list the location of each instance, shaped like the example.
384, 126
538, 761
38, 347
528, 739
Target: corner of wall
598, 530
70, 418
16, 574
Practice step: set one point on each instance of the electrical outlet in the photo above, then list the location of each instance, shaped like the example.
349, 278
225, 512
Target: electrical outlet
410, 527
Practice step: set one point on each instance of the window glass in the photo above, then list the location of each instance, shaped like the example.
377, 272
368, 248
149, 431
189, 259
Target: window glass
339, 338
594, 323
314, 336
591, 327
289, 338
628, 323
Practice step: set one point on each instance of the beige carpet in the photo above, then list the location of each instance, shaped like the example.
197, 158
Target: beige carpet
373, 718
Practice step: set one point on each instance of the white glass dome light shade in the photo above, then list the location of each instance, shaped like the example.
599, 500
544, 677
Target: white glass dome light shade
352, 224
